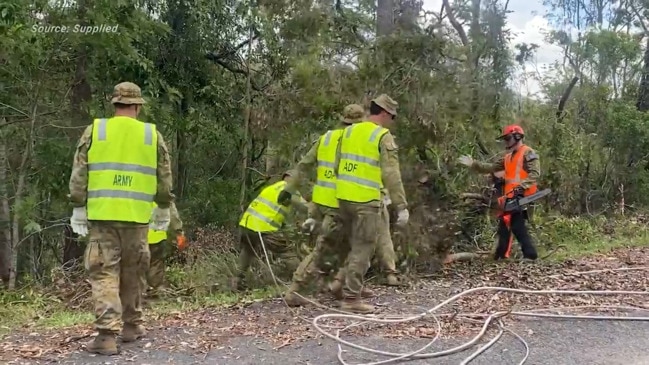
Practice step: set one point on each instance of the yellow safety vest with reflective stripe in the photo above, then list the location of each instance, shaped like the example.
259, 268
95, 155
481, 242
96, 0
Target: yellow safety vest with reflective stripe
264, 214
122, 163
324, 191
156, 236
359, 172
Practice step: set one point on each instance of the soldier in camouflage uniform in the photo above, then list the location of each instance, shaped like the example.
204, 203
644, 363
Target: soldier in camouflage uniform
120, 166
324, 208
522, 171
367, 161
159, 246
264, 220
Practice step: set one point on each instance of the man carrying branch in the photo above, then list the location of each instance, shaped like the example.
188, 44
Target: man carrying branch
522, 170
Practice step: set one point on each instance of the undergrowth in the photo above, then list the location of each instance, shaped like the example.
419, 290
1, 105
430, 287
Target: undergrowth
201, 276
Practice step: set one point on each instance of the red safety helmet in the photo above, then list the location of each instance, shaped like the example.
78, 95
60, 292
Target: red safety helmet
512, 129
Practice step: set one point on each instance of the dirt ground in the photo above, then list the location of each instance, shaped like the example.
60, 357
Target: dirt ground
270, 331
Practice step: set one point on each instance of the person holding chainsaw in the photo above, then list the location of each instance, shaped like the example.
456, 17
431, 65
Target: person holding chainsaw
522, 170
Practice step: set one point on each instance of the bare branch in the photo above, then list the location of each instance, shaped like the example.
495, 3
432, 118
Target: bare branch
455, 23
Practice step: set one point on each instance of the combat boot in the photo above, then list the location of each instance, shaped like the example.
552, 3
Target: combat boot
355, 305
132, 332
393, 280
367, 293
292, 298
103, 344
336, 288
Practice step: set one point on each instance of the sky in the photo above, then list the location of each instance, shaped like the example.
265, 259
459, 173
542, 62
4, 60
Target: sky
528, 25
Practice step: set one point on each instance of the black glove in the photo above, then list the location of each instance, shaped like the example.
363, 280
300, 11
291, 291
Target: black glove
519, 192
284, 198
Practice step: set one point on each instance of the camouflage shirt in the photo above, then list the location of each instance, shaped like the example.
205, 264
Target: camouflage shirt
303, 168
175, 224
79, 177
307, 164
299, 204
531, 165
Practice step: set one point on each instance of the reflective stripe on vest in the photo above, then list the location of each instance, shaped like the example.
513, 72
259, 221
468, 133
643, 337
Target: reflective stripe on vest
515, 173
324, 190
122, 163
359, 172
155, 236
264, 214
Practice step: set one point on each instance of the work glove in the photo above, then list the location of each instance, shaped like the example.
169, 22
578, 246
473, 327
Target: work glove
402, 218
386, 200
160, 219
284, 198
466, 160
518, 192
181, 241
79, 221
309, 224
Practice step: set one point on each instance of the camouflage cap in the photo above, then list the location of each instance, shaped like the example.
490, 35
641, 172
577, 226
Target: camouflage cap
127, 93
353, 113
387, 103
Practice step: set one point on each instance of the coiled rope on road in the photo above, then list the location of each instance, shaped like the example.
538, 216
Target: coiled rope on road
497, 316
488, 319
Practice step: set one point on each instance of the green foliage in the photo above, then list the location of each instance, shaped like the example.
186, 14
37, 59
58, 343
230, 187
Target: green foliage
306, 62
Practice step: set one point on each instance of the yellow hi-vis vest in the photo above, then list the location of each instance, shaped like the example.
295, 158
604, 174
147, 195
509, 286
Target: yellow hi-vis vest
122, 163
153, 235
359, 172
264, 214
324, 190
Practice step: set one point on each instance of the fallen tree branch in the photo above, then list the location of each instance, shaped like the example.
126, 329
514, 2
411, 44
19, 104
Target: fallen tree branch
462, 256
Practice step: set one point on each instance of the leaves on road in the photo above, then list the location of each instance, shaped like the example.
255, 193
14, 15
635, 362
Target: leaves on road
200, 331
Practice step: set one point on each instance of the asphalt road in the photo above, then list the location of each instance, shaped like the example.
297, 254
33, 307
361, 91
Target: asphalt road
552, 342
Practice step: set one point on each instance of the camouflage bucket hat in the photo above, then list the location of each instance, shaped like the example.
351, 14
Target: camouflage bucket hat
387, 103
127, 93
353, 113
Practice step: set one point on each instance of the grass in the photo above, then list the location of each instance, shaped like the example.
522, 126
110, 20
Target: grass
36, 311
574, 237
578, 237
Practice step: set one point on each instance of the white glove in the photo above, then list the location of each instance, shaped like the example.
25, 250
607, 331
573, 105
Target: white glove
386, 200
160, 219
79, 221
466, 160
309, 224
402, 218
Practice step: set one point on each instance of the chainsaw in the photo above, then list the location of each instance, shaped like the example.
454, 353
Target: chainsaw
517, 204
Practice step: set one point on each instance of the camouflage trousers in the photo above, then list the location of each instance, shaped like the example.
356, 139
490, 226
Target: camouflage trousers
384, 247
116, 258
364, 221
155, 276
330, 240
274, 242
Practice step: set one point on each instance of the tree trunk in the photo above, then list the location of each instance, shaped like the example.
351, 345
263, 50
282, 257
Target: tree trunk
384, 17
80, 94
246, 124
643, 90
6, 253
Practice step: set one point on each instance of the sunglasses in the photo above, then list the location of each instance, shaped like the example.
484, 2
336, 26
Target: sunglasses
508, 138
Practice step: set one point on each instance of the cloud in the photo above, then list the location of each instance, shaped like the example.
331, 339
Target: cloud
533, 31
